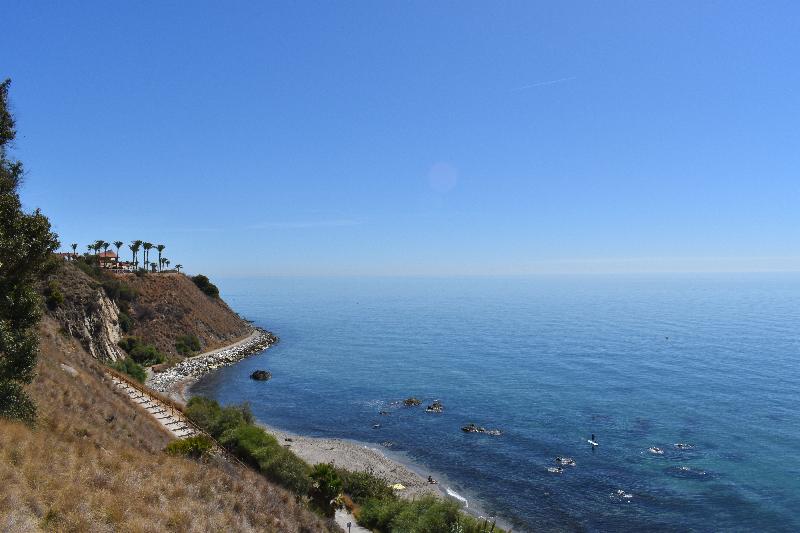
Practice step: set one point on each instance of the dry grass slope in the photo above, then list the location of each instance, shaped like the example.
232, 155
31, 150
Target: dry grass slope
94, 463
170, 305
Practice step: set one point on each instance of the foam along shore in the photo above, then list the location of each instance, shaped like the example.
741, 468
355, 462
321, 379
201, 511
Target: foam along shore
174, 380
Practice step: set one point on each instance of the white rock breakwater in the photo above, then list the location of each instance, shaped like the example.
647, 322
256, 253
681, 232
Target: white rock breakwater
194, 367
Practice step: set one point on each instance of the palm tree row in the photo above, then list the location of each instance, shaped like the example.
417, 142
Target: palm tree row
135, 247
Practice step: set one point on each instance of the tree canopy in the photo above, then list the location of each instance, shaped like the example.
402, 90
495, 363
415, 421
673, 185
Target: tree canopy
26, 244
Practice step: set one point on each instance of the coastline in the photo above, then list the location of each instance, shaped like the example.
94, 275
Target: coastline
176, 383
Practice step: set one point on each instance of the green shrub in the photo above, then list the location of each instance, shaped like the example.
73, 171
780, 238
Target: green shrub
210, 416
53, 296
425, 514
143, 354
326, 487
284, 468
129, 366
118, 290
194, 447
363, 486
233, 426
125, 322
187, 344
205, 285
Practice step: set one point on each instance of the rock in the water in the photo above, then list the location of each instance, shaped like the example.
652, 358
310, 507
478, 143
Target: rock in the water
472, 428
411, 402
261, 375
435, 407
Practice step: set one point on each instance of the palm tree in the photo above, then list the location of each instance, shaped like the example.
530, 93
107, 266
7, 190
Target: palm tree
118, 245
166, 262
147, 246
135, 245
178, 267
74, 248
89, 248
160, 249
152, 267
105, 246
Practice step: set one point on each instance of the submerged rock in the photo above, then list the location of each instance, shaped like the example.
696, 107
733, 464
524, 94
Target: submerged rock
435, 407
411, 402
261, 375
565, 461
472, 428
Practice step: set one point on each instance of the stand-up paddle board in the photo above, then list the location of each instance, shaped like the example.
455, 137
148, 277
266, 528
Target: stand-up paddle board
593, 443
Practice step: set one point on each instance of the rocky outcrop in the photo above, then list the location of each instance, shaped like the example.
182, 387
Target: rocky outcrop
88, 315
261, 375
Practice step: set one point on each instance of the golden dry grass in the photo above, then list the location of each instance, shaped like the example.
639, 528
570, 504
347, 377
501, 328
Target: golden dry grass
94, 462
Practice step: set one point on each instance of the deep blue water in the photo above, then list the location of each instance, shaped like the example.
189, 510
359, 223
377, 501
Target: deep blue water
549, 361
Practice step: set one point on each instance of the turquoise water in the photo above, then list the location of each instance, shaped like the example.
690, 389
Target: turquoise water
711, 361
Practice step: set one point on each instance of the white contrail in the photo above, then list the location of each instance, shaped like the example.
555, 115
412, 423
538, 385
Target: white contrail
543, 83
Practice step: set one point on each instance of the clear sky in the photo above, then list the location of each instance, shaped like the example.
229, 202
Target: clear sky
415, 137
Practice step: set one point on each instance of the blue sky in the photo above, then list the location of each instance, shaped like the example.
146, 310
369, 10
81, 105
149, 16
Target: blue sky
415, 137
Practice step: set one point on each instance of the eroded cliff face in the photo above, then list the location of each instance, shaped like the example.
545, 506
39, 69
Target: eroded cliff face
88, 315
156, 308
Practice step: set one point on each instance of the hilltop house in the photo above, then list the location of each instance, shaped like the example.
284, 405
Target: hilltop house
110, 260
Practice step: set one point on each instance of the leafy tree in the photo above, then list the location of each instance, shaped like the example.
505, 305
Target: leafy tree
160, 249
26, 243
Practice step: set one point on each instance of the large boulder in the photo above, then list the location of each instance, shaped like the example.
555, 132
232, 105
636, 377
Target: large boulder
261, 375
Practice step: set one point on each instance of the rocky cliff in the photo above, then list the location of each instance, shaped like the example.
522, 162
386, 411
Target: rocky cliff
99, 308
87, 313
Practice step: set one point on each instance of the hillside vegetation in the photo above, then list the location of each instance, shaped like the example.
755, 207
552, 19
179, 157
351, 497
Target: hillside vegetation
95, 462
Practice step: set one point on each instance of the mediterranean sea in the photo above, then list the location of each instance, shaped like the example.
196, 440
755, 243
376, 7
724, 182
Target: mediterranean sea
711, 362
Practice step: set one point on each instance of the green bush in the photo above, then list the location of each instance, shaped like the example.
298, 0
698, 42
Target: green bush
187, 344
284, 468
143, 354
194, 447
118, 290
210, 416
125, 322
233, 426
205, 285
422, 515
53, 296
326, 487
363, 486
129, 366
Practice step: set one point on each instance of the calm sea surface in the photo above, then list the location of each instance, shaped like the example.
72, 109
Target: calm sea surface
711, 361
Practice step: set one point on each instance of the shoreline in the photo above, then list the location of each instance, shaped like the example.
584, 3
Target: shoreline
176, 383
